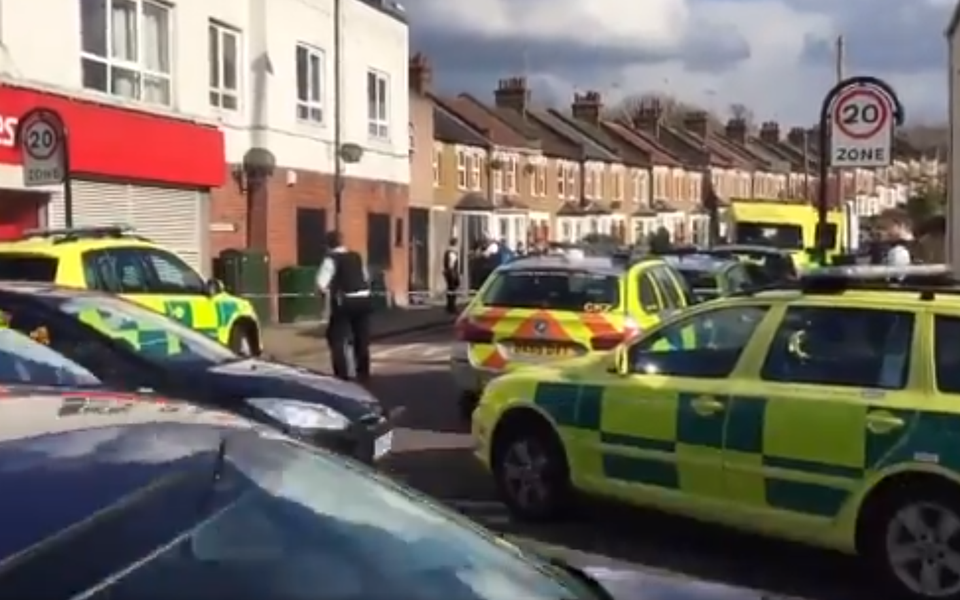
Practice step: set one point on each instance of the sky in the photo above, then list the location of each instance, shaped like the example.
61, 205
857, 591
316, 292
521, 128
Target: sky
774, 56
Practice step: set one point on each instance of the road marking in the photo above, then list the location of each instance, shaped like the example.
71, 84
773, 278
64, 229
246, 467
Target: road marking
414, 352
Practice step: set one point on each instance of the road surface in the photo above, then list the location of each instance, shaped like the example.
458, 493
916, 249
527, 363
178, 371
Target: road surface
432, 453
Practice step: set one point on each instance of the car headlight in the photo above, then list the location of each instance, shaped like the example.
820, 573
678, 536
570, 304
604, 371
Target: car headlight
300, 415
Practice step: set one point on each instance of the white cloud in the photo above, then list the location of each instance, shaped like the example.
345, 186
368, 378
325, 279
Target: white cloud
773, 55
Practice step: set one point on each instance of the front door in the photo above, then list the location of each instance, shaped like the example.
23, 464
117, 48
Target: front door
824, 414
663, 424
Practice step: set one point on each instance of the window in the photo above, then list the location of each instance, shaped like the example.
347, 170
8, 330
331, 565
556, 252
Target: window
871, 346
541, 191
672, 300
224, 67
477, 164
125, 49
774, 235
26, 358
617, 186
553, 289
168, 274
437, 162
561, 181
649, 300
311, 79
511, 165
115, 271
461, 169
378, 105
705, 346
572, 191
946, 353
28, 267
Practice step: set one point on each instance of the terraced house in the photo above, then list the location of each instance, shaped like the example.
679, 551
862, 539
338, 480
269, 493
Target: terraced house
491, 177
676, 207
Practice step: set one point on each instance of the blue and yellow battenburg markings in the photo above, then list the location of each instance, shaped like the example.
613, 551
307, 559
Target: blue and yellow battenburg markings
765, 452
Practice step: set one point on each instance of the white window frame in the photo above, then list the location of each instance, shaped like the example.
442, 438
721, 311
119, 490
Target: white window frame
510, 180
437, 161
476, 163
378, 105
222, 96
571, 176
635, 180
462, 170
541, 181
117, 70
310, 105
561, 181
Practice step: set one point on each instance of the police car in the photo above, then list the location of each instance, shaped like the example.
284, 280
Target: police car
825, 413
132, 348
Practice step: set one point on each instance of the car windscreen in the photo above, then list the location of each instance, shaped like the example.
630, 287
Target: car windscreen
772, 235
554, 289
28, 267
278, 521
700, 280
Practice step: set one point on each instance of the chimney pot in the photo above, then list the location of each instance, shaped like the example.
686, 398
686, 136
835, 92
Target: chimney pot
770, 132
736, 130
512, 93
696, 122
420, 73
587, 107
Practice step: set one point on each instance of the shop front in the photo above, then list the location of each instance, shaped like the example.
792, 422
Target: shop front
148, 171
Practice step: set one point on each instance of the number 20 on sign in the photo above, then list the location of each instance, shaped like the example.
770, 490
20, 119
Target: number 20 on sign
861, 129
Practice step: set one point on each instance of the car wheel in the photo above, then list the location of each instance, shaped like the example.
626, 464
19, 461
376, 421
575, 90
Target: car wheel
912, 539
531, 472
243, 341
466, 404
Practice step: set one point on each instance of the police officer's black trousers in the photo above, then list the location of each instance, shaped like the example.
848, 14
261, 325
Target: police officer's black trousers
350, 324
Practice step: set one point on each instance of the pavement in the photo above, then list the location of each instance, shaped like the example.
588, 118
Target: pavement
433, 454
301, 340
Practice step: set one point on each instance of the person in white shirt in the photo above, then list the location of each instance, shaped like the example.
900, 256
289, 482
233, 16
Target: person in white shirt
451, 274
344, 276
490, 247
897, 234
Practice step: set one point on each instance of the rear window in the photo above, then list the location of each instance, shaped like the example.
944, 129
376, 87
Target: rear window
578, 291
700, 280
28, 267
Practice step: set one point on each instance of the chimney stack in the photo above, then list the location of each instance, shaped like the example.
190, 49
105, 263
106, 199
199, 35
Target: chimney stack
770, 132
649, 117
512, 93
696, 122
736, 130
797, 136
587, 107
420, 73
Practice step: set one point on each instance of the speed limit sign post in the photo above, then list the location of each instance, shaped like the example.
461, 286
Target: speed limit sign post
861, 129
858, 117
42, 138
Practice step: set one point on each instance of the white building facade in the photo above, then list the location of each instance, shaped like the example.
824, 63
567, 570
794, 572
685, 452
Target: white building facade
163, 102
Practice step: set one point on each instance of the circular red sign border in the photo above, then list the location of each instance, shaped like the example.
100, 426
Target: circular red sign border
847, 96
58, 137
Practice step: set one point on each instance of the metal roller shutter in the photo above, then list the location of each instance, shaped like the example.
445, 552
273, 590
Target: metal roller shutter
172, 217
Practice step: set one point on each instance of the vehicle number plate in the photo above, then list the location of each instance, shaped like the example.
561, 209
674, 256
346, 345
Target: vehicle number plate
383, 445
532, 350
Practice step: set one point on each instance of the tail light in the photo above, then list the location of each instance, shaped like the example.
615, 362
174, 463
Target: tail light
611, 341
471, 333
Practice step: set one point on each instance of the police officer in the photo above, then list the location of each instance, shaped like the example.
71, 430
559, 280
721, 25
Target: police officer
344, 277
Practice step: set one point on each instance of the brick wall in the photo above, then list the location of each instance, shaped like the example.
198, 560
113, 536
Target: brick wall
274, 225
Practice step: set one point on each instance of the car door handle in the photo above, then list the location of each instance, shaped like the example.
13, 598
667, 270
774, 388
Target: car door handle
706, 406
883, 422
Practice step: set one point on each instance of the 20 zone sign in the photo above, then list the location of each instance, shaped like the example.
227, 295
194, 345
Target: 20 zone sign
861, 129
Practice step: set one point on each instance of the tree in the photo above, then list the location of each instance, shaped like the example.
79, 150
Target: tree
673, 108
742, 112
929, 200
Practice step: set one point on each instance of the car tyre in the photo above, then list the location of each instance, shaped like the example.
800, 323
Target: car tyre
531, 471
243, 341
910, 541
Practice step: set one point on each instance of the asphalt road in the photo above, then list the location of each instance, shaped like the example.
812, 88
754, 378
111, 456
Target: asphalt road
432, 454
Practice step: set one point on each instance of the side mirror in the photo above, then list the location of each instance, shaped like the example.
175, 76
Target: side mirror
214, 287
